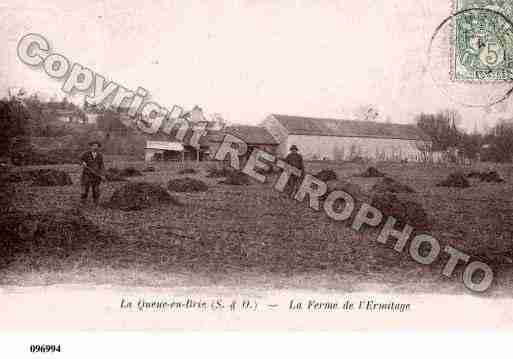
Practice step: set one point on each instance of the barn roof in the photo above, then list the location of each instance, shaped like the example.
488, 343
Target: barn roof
211, 136
249, 134
298, 125
165, 145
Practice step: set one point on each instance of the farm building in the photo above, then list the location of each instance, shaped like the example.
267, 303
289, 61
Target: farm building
91, 117
331, 139
160, 148
175, 151
70, 116
253, 136
163, 150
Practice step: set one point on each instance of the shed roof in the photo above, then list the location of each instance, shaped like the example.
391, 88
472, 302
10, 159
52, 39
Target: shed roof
211, 136
249, 134
164, 145
298, 125
66, 112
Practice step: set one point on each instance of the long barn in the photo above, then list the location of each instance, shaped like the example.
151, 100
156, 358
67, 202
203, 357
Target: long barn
331, 139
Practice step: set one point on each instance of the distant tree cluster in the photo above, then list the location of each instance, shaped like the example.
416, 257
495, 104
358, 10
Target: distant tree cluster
367, 113
470, 145
13, 123
442, 128
496, 145
110, 121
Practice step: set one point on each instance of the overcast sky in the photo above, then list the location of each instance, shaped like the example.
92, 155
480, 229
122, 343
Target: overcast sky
246, 59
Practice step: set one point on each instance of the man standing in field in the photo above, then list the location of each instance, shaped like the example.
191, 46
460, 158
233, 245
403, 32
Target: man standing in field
296, 160
92, 172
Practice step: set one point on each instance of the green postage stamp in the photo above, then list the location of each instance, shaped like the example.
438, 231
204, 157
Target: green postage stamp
482, 40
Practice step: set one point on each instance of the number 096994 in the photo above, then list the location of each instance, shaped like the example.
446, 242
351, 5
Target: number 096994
36, 348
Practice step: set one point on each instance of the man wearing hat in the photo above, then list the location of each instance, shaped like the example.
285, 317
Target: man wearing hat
296, 160
92, 171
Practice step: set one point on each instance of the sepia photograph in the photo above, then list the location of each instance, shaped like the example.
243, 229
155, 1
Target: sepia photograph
256, 165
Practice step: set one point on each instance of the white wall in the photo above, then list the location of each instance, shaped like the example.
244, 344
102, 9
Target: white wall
91, 117
344, 148
278, 132
149, 153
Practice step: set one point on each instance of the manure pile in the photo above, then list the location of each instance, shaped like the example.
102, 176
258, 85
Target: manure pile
186, 184
456, 180
371, 172
43, 237
140, 195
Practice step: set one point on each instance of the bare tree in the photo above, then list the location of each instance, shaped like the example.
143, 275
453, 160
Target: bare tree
367, 113
441, 127
499, 142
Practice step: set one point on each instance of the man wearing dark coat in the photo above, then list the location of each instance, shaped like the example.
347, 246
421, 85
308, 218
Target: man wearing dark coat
92, 172
296, 160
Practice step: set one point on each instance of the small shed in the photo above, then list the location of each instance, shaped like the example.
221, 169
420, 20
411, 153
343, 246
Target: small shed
70, 116
163, 150
253, 136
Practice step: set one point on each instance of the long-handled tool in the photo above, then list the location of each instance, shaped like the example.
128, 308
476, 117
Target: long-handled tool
95, 173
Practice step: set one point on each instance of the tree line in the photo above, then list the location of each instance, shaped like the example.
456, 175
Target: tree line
495, 145
21, 119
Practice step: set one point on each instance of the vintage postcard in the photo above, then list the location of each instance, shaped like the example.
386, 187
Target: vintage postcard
255, 165
483, 40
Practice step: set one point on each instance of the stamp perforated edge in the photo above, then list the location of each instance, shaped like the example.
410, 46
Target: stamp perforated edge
452, 55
